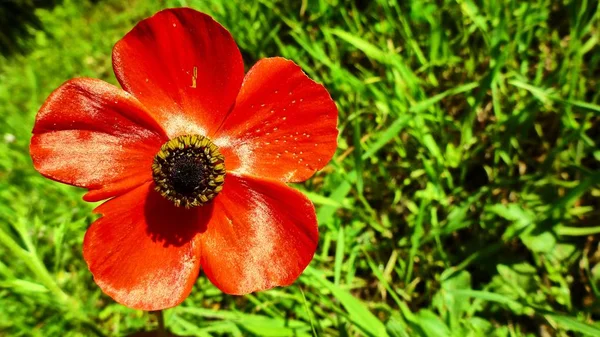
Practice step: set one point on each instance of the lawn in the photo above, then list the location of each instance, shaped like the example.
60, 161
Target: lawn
463, 199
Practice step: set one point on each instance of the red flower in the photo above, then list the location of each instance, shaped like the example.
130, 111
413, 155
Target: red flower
194, 157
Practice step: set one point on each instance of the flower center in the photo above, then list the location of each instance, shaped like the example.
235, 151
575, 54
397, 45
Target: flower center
189, 170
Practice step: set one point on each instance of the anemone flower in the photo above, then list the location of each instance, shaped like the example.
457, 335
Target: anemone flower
193, 157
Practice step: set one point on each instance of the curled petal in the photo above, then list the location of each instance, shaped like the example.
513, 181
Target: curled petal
283, 125
144, 252
91, 134
185, 66
262, 234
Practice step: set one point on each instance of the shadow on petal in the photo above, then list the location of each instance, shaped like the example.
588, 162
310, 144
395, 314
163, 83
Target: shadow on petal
171, 225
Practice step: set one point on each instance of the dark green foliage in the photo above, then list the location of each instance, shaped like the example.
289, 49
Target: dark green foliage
18, 21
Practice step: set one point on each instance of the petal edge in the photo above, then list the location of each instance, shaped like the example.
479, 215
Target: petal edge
283, 124
262, 235
144, 252
92, 134
185, 65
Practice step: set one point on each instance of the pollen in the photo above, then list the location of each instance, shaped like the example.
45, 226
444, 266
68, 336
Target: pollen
189, 171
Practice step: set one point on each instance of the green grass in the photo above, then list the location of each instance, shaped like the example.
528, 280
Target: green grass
463, 199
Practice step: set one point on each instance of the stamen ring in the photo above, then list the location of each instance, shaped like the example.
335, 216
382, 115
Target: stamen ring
189, 170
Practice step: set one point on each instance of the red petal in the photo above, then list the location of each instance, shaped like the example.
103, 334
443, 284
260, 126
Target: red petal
144, 252
92, 134
283, 125
183, 65
262, 234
